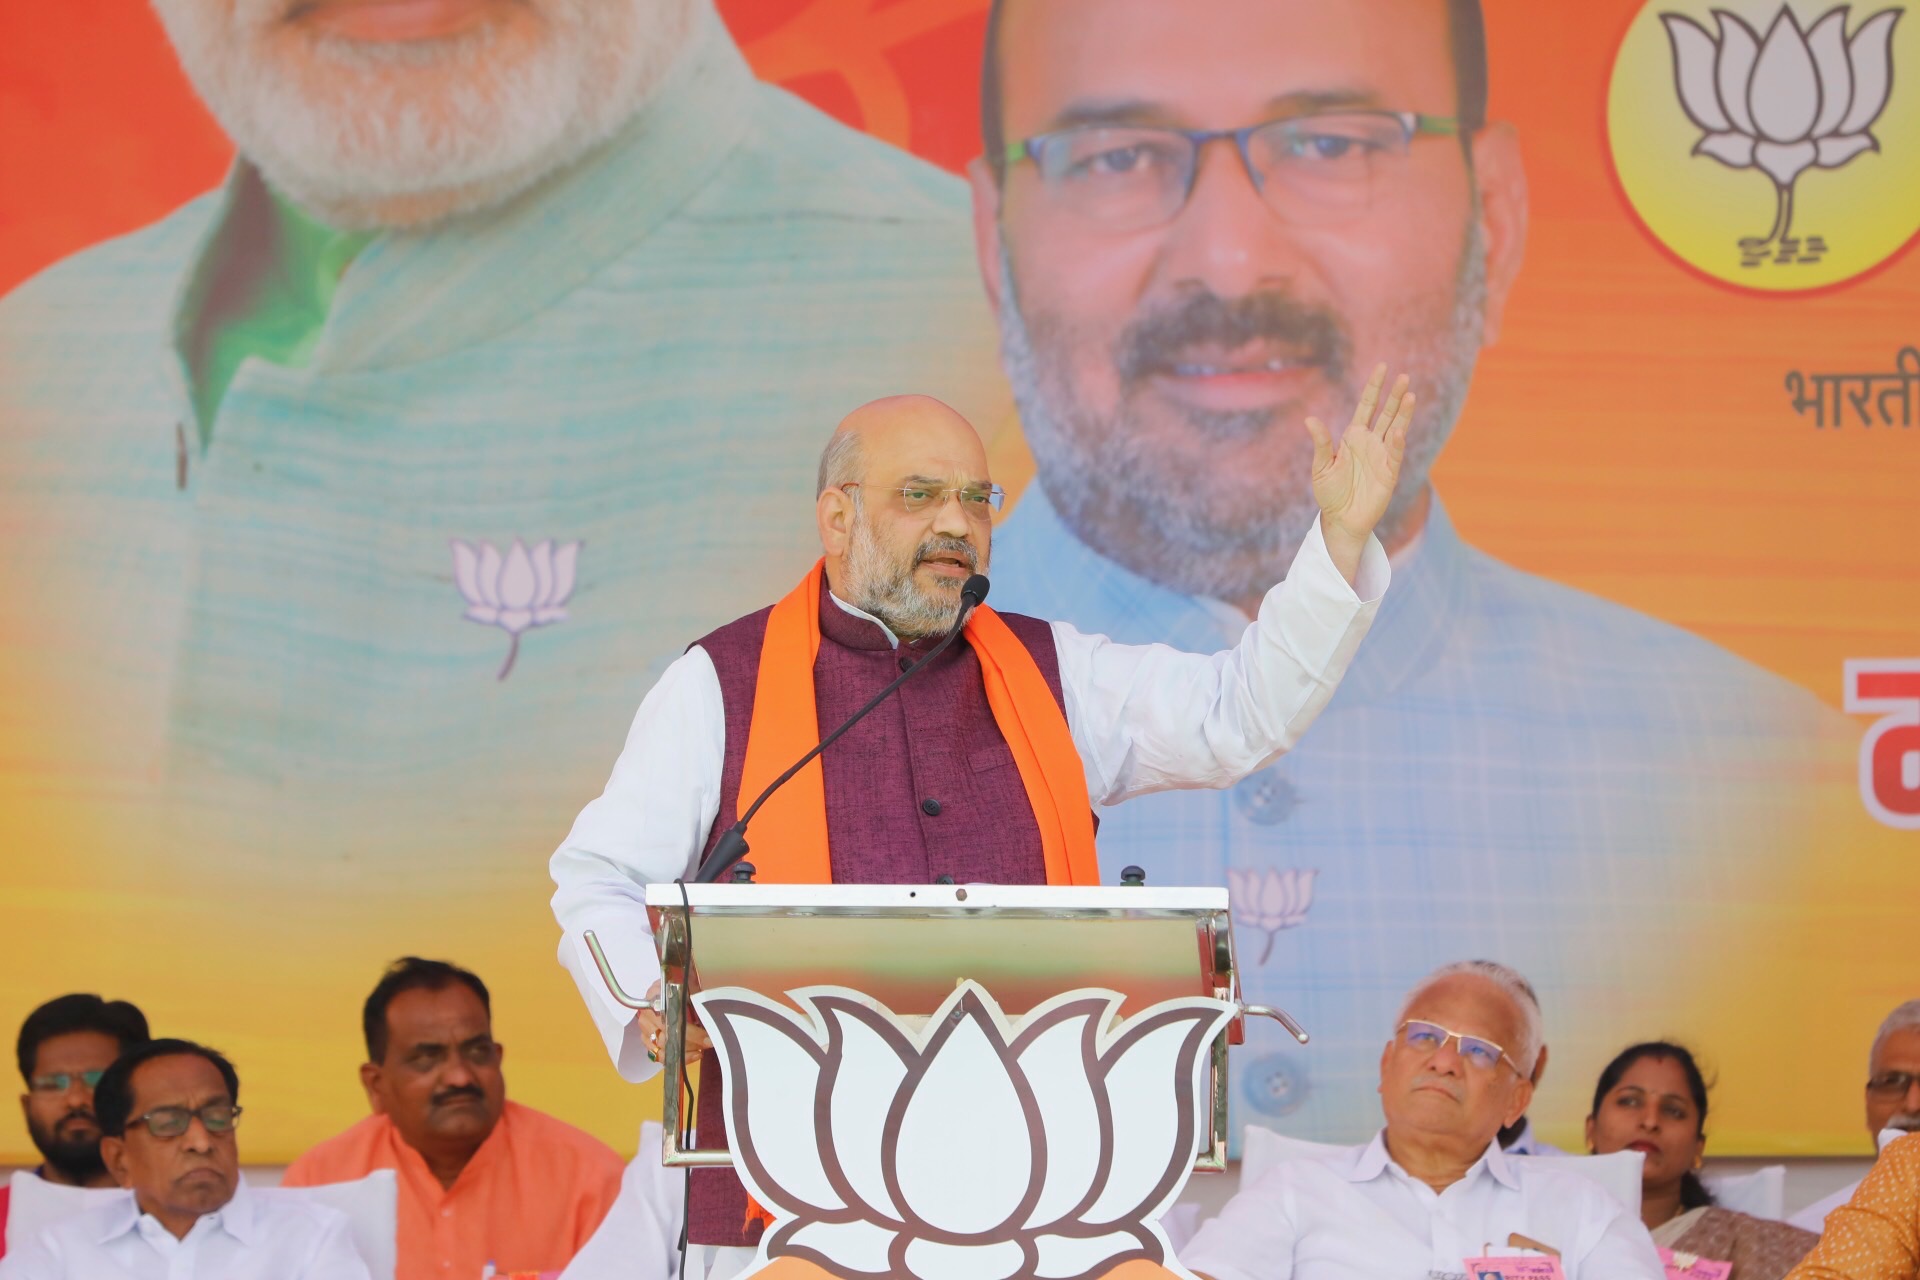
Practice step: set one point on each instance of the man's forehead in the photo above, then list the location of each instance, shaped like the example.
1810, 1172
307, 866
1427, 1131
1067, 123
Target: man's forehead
934, 471
1218, 63
83, 1048
448, 1015
912, 438
1467, 1002
1900, 1051
176, 1078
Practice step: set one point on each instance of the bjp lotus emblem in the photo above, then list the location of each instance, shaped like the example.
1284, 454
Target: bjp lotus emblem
1759, 90
972, 1147
1793, 101
1270, 900
515, 591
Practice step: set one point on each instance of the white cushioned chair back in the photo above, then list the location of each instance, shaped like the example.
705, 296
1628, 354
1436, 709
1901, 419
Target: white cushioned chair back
35, 1204
1262, 1149
372, 1206
1762, 1193
640, 1235
1617, 1174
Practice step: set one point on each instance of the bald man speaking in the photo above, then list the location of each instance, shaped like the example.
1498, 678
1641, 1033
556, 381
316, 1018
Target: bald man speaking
983, 767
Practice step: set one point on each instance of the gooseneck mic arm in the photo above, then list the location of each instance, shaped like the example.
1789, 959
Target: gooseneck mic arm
732, 845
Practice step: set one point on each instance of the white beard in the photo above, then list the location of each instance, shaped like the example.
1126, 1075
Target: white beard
886, 589
365, 135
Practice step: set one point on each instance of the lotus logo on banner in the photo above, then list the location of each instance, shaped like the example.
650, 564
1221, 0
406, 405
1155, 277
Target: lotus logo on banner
1715, 105
1270, 900
1795, 100
516, 591
973, 1147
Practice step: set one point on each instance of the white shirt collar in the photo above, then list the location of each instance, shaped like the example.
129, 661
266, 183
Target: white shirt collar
858, 612
1374, 1159
235, 1217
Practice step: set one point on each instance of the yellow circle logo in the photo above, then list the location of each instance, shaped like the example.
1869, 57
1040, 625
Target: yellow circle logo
1770, 145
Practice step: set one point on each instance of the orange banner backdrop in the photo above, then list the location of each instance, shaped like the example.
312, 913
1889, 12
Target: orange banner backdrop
1644, 429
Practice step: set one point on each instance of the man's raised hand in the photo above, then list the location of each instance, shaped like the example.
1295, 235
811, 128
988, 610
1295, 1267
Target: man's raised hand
1354, 482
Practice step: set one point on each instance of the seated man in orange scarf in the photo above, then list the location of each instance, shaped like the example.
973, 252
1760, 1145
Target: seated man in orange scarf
985, 766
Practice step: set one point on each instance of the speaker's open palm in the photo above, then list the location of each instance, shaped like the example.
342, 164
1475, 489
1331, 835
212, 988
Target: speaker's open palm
1354, 482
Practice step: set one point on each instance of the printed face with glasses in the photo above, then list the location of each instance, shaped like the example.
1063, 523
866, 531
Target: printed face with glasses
1202, 224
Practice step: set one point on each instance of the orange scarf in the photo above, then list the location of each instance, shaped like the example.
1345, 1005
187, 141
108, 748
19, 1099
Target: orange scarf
786, 726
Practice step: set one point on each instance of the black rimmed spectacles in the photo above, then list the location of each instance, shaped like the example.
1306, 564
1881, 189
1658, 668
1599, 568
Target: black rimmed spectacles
170, 1122
1323, 167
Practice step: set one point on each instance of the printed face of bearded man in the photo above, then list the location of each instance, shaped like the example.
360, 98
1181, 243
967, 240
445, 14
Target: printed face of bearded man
393, 113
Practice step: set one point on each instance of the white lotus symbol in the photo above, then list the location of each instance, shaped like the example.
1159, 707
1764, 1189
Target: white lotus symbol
972, 1148
1791, 101
516, 591
1270, 900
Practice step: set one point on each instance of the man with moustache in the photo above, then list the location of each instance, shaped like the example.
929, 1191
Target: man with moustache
1432, 1189
482, 1181
345, 497
1892, 1099
1197, 227
168, 1111
65, 1046
984, 767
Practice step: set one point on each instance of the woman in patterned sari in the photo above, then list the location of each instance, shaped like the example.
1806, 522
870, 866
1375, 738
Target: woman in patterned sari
1653, 1099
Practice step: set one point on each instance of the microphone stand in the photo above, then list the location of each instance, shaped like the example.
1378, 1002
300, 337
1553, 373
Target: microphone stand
732, 845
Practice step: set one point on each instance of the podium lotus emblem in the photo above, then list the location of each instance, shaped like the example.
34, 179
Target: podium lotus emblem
516, 591
1270, 900
972, 1147
1786, 103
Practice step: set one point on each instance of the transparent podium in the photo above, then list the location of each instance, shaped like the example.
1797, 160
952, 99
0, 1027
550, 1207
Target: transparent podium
955, 1080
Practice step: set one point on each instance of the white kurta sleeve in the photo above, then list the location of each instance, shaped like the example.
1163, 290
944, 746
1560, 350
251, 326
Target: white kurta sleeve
1151, 718
650, 824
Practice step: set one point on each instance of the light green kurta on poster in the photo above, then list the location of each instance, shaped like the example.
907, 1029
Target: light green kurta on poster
248, 708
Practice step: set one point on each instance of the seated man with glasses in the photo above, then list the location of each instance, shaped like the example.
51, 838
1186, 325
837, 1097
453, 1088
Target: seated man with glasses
65, 1046
985, 766
167, 1111
1433, 1189
1892, 1098
481, 1180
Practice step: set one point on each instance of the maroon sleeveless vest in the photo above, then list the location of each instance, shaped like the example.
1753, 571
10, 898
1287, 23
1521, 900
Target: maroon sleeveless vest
925, 786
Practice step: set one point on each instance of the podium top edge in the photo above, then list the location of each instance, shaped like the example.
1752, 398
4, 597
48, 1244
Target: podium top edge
940, 898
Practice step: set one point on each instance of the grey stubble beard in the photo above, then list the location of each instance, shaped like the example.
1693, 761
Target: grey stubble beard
1127, 497
888, 591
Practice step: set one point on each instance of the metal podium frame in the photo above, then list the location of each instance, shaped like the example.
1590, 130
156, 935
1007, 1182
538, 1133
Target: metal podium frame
1214, 972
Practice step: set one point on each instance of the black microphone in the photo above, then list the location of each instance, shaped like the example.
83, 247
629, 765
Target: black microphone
732, 845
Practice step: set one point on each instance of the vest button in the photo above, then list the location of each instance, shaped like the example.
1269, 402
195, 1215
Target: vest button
905, 661
930, 807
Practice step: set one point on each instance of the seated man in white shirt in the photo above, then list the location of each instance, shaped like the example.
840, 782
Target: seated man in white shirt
167, 1112
1893, 1099
1433, 1188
